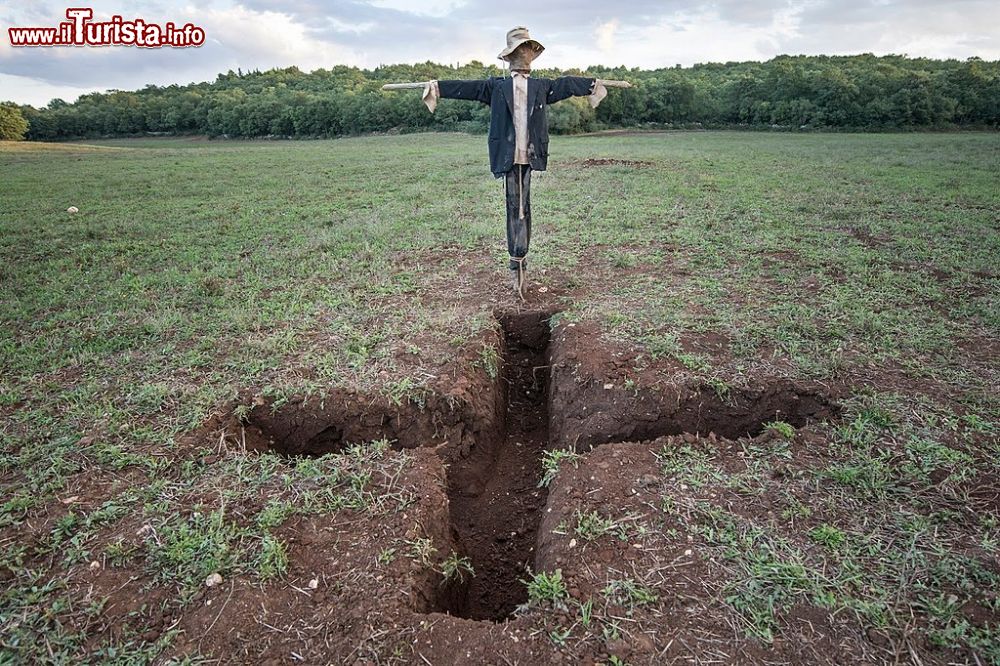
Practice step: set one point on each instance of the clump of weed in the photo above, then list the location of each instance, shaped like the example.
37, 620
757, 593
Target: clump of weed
187, 550
489, 361
925, 457
828, 536
551, 461
782, 429
628, 593
456, 567
273, 558
688, 465
591, 525
422, 551
547, 589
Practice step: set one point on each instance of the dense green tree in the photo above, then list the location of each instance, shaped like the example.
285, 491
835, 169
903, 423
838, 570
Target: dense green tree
861, 92
13, 125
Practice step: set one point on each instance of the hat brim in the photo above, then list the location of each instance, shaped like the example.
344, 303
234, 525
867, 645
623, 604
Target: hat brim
510, 49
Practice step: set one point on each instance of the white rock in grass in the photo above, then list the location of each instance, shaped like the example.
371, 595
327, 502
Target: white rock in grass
213, 580
314, 583
72, 209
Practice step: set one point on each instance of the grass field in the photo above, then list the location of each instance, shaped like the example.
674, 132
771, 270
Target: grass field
201, 275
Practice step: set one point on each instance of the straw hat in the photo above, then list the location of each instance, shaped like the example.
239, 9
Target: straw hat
516, 37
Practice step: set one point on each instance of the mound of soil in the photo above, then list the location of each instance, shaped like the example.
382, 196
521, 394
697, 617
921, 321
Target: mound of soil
610, 161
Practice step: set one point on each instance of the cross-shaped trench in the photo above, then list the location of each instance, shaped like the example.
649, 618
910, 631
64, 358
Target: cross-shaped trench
494, 449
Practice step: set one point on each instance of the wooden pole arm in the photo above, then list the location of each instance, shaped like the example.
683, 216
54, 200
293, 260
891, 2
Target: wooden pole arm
404, 86
614, 84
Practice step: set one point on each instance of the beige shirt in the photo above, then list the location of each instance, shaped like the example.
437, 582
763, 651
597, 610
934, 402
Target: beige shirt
520, 117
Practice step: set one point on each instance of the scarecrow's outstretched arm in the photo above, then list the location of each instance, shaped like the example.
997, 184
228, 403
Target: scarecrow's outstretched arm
479, 91
580, 86
569, 86
482, 90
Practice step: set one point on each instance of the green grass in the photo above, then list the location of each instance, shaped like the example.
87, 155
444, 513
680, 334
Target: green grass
547, 589
552, 459
198, 270
901, 539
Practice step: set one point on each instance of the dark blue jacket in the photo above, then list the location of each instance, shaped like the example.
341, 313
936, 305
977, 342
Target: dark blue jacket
498, 92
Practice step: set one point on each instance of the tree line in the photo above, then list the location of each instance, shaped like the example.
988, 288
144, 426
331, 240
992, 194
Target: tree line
859, 92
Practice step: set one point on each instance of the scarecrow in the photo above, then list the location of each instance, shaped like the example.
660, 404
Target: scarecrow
519, 132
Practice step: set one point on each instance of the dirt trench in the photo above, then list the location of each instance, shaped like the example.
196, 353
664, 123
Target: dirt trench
490, 430
490, 435
597, 401
495, 522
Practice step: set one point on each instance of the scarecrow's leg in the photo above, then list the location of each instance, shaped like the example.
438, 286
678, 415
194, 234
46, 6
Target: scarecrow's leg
524, 228
518, 225
526, 207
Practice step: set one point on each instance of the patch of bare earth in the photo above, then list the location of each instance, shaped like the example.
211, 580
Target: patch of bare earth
367, 586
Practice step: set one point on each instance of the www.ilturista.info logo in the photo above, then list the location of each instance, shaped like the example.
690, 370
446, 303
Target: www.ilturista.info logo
81, 31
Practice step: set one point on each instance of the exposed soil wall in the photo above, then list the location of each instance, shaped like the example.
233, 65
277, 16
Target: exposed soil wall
591, 404
496, 500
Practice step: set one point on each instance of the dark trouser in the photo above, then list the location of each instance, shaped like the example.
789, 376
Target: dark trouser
517, 183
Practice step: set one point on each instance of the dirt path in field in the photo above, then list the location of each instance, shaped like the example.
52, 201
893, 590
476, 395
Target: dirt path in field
497, 524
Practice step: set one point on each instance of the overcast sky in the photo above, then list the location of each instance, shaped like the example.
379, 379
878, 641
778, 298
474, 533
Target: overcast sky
322, 33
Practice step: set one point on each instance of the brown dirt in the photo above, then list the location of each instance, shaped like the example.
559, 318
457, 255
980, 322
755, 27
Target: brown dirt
610, 161
597, 399
457, 413
472, 448
495, 517
491, 436
339, 419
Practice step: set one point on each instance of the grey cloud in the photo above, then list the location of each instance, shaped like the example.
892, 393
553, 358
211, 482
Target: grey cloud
853, 12
476, 29
958, 29
494, 16
742, 12
91, 67
479, 26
